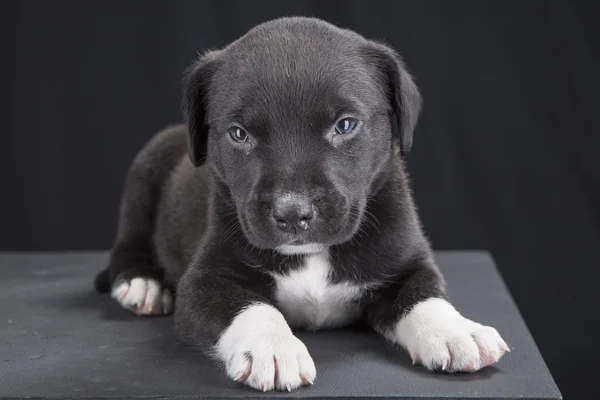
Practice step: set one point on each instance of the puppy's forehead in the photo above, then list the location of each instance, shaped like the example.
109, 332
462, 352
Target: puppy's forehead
296, 71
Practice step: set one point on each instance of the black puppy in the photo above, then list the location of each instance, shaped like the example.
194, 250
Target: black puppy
285, 202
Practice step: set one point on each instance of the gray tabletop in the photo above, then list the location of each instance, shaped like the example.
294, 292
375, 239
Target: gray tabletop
60, 339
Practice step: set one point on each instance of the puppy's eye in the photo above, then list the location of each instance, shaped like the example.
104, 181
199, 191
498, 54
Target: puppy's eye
346, 125
238, 134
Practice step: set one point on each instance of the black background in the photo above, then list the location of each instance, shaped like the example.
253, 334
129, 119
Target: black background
504, 159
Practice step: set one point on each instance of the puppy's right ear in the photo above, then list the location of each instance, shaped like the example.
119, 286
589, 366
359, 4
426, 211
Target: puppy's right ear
196, 84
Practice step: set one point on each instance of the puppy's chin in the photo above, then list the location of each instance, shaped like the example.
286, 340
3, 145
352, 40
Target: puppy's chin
309, 248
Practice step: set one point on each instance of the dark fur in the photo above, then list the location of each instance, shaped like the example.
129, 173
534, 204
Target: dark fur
196, 205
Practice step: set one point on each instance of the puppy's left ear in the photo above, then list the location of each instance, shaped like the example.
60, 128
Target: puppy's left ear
196, 83
403, 93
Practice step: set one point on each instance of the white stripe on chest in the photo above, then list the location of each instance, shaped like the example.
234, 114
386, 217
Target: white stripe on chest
308, 299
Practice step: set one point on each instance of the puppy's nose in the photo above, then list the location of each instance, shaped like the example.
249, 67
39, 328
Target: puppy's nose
293, 214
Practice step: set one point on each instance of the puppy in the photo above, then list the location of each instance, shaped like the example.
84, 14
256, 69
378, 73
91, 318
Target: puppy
282, 203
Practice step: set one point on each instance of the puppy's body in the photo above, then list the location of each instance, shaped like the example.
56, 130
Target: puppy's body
299, 214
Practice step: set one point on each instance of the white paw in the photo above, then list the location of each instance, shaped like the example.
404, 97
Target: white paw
439, 338
260, 350
143, 296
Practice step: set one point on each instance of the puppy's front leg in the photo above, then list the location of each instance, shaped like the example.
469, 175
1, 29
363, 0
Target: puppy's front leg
238, 324
415, 313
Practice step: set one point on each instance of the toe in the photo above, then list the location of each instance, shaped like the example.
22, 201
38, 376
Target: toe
120, 291
287, 376
153, 300
307, 372
489, 349
239, 367
262, 376
136, 295
434, 355
306, 366
464, 354
287, 372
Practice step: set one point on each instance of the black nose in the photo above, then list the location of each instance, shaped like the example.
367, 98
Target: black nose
293, 214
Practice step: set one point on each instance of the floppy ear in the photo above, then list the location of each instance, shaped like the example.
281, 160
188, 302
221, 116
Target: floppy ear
403, 92
196, 84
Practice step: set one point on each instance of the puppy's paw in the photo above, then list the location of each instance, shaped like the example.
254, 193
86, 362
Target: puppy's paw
441, 339
272, 362
260, 350
143, 296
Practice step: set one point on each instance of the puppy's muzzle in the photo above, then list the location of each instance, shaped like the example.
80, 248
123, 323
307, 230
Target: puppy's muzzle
293, 213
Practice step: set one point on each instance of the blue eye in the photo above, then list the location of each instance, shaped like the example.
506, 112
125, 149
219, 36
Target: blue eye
238, 134
346, 125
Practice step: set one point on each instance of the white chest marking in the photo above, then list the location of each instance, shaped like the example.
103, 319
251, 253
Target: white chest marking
309, 300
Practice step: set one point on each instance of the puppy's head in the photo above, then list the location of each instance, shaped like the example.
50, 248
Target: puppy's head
296, 119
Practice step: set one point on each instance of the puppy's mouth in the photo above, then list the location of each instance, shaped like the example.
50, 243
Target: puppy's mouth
270, 239
298, 242
332, 231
